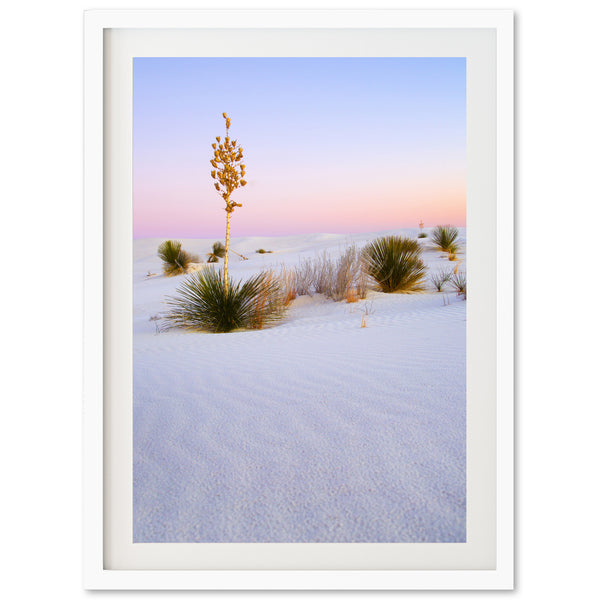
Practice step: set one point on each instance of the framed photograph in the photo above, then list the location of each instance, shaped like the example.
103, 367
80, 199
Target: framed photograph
287, 385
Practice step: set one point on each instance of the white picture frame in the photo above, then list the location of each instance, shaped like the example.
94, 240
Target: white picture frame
107, 190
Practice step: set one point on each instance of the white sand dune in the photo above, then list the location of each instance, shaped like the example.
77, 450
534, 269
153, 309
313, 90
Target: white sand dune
315, 430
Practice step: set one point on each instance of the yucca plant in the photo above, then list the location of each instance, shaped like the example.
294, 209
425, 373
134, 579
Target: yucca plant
175, 259
218, 251
444, 238
203, 302
459, 283
394, 263
439, 278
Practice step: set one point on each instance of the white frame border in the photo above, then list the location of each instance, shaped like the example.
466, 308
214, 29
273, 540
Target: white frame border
95, 576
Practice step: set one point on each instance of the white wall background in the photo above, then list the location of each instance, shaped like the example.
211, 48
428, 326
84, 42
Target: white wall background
557, 198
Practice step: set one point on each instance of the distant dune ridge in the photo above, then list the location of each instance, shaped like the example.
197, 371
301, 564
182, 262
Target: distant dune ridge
314, 430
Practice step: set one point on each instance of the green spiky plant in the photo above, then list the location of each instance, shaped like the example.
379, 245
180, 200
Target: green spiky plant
394, 263
175, 259
444, 237
218, 251
203, 302
229, 173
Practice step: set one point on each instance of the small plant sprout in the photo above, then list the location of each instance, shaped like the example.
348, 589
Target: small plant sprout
459, 283
218, 251
228, 171
439, 278
156, 320
366, 310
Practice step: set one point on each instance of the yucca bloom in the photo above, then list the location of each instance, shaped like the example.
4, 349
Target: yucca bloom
228, 174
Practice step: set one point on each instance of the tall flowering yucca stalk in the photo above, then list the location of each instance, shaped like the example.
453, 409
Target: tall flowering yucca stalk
228, 172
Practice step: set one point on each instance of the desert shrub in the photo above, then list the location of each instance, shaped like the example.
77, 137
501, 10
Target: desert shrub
394, 263
340, 279
204, 302
422, 235
288, 279
350, 281
218, 251
444, 237
324, 274
439, 278
175, 259
305, 277
458, 281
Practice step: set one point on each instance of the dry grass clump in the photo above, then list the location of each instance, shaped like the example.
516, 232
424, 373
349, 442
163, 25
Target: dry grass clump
206, 302
339, 279
350, 276
175, 259
305, 277
324, 275
394, 264
288, 279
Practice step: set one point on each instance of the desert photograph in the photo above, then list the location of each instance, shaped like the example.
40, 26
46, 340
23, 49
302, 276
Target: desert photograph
299, 300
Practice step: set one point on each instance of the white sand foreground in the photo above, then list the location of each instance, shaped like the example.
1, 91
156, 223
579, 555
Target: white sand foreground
315, 430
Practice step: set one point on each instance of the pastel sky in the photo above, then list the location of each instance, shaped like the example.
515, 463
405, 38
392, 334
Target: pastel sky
331, 145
